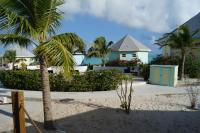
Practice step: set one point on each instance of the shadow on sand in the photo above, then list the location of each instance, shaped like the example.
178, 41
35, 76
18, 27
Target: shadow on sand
108, 120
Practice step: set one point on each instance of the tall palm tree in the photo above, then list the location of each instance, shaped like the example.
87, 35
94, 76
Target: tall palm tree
10, 56
100, 49
35, 22
181, 39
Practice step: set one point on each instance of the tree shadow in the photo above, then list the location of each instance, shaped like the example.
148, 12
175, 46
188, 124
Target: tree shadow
6, 113
109, 120
4, 91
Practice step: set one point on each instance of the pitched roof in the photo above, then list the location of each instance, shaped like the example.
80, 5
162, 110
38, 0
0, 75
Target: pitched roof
128, 43
193, 25
20, 51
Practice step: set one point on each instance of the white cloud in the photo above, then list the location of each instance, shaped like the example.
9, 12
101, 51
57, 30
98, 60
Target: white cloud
154, 15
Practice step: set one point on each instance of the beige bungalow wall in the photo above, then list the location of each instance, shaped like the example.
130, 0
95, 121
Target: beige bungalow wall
167, 51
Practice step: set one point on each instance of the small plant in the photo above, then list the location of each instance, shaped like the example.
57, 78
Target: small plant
124, 63
145, 71
23, 66
125, 93
193, 91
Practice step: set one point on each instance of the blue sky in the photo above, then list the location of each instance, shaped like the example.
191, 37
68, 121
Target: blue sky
145, 20
90, 27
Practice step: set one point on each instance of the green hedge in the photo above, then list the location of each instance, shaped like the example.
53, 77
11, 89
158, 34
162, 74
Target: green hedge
145, 71
102, 80
123, 63
191, 64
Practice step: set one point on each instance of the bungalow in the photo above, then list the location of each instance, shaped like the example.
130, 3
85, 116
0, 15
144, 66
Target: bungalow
22, 55
193, 25
128, 48
27, 57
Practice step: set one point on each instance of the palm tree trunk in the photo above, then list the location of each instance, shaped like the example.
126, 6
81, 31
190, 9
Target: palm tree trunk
48, 118
103, 62
183, 65
13, 65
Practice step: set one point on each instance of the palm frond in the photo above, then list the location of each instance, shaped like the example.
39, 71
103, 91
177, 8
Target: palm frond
30, 17
109, 44
180, 39
10, 55
94, 53
16, 17
57, 55
100, 48
71, 41
100, 42
8, 39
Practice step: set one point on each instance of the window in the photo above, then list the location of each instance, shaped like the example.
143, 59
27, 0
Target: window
123, 55
134, 55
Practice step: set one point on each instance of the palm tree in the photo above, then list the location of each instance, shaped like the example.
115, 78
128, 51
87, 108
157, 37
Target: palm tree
35, 22
181, 39
100, 49
10, 56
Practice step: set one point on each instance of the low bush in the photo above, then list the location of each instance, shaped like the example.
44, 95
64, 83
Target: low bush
123, 63
145, 71
20, 79
161, 60
192, 67
102, 80
191, 64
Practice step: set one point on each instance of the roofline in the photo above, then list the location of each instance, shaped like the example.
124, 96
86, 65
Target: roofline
177, 27
25, 56
134, 51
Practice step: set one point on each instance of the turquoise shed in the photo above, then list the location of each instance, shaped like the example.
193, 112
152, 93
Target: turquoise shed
166, 75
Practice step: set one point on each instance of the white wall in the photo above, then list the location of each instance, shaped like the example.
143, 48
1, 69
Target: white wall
143, 56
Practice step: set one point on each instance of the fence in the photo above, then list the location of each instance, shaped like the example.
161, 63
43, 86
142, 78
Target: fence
19, 113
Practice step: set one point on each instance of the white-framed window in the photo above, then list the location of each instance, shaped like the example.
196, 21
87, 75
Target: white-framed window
123, 55
134, 55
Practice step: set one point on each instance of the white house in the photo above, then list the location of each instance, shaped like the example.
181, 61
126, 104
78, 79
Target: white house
193, 25
28, 58
22, 54
128, 48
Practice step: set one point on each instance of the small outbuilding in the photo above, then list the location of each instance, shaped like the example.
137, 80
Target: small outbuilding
166, 75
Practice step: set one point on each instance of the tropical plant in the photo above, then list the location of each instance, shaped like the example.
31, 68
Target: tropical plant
125, 92
124, 63
10, 56
31, 22
193, 91
105, 80
100, 49
145, 71
181, 39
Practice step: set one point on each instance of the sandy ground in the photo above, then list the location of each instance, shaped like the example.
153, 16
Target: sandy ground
154, 109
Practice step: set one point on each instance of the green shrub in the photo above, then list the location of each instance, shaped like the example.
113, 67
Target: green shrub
192, 67
191, 64
102, 80
161, 60
145, 71
123, 63
25, 80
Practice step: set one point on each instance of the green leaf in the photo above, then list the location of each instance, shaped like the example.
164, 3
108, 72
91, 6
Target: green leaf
71, 41
7, 39
57, 55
